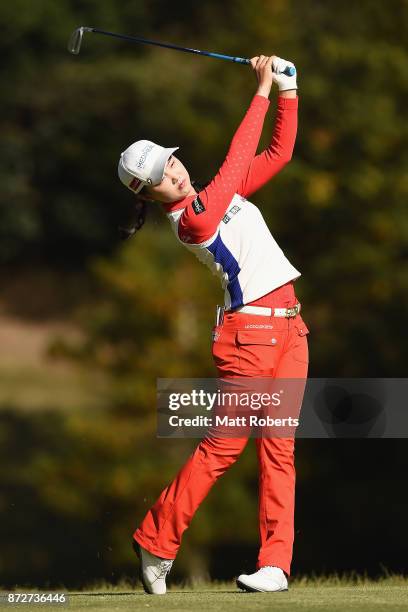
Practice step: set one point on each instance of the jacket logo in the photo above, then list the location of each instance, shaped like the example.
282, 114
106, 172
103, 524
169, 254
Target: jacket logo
198, 206
233, 211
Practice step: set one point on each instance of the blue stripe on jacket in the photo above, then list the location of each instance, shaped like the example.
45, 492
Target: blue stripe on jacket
223, 256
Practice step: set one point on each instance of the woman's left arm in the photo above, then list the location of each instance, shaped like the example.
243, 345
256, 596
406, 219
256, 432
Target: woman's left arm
268, 163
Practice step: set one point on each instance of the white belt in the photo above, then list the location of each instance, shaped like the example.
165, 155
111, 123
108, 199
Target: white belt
270, 312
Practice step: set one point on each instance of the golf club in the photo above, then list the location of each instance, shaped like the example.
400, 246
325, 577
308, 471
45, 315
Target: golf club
75, 41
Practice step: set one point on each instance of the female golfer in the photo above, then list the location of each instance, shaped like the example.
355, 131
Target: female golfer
259, 332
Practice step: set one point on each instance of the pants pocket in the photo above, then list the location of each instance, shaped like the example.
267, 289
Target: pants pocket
258, 351
223, 349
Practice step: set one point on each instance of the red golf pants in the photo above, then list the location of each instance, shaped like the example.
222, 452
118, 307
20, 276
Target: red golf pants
244, 345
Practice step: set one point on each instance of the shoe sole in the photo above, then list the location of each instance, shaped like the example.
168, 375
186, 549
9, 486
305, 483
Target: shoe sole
249, 589
136, 548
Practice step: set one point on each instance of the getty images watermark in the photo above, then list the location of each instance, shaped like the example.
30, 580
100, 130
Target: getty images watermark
267, 407
225, 405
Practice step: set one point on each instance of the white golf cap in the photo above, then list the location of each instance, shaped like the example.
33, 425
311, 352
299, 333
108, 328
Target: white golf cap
143, 163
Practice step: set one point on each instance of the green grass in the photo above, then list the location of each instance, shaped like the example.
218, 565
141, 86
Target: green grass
305, 595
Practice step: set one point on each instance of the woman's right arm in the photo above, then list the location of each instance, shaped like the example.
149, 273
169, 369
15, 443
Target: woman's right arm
199, 222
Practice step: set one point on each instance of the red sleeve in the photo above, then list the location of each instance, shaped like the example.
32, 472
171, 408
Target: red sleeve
202, 215
268, 163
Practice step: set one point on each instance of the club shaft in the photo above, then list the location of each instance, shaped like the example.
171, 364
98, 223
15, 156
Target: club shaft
240, 60
75, 44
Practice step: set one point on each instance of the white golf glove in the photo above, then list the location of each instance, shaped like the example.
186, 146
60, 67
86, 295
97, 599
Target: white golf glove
283, 81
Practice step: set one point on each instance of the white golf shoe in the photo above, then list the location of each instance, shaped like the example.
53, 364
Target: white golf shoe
266, 580
153, 571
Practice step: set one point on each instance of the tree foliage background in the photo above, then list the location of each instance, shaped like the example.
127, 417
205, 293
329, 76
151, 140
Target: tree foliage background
75, 483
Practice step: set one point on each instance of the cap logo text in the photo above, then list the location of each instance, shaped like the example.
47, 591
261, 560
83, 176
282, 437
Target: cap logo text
145, 151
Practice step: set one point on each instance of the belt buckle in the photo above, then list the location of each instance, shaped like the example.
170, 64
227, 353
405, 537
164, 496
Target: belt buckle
292, 312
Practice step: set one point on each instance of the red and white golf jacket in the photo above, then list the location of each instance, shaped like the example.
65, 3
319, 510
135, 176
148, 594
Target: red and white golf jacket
226, 231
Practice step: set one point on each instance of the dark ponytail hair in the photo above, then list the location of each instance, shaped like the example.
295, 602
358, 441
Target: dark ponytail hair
135, 218
137, 214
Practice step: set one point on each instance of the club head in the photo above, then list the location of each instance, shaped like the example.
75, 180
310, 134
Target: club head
75, 40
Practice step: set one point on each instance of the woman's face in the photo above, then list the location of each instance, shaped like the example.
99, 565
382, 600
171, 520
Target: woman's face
175, 185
